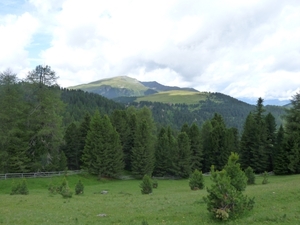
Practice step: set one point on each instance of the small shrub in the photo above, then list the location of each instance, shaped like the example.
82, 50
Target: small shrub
66, 192
23, 190
79, 188
250, 175
225, 201
265, 178
19, 188
146, 185
196, 180
64, 189
155, 184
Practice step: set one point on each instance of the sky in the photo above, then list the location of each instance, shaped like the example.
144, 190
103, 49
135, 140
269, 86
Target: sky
242, 48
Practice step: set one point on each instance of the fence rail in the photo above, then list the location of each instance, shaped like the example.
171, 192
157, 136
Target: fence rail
38, 174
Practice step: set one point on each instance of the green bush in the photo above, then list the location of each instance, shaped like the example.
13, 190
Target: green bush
265, 178
196, 180
19, 188
250, 175
224, 201
146, 185
64, 189
79, 188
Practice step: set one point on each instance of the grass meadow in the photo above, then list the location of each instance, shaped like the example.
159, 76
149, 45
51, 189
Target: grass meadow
175, 97
277, 202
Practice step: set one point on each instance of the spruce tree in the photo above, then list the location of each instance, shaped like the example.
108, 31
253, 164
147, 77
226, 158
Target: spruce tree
71, 147
270, 141
103, 151
44, 121
162, 154
143, 156
13, 133
219, 151
254, 143
183, 162
83, 129
205, 137
281, 159
92, 152
292, 128
196, 147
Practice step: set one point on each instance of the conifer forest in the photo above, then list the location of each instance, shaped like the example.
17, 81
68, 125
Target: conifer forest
44, 127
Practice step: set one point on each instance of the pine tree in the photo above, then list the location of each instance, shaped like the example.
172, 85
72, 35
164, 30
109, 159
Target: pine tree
82, 134
292, 128
205, 136
196, 147
254, 140
162, 154
44, 121
71, 147
271, 140
142, 157
13, 134
219, 151
196, 180
119, 119
92, 152
281, 159
183, 162
103, 151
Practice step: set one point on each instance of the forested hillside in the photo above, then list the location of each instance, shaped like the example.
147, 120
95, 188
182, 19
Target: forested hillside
232, 110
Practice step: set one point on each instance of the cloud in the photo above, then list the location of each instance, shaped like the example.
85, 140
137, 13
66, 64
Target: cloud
246, 48
16, 34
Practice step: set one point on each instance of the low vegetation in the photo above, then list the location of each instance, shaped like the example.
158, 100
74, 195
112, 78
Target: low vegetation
172, 203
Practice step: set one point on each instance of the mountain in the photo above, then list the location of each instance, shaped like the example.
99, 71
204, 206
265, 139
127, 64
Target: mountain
125, 86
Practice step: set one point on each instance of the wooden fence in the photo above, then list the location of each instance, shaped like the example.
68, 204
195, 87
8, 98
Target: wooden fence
38, 174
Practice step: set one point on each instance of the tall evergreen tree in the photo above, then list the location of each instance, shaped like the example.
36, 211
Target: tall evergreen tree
183, 161
92, 152
254, 140
83, 129
162, 154
205, 136
292, 128
271, 140
219, 151
103, 151
13, 135
71, 147
196, 147
120, 121
44, 120
142, 157
280, 159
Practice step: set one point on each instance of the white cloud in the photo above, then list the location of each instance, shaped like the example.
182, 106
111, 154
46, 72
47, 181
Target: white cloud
16, 34
242, 48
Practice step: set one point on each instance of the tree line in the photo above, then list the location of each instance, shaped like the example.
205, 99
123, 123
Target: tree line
40, 131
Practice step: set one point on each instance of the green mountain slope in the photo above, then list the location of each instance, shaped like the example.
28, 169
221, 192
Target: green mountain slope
114, 87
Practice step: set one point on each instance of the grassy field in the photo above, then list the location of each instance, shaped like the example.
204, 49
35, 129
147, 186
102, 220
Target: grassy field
178, 96
171, 203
